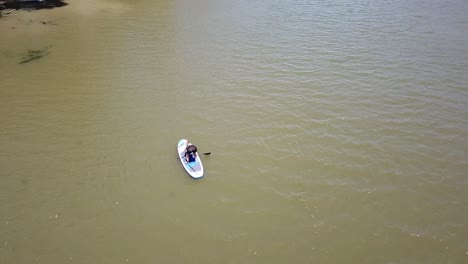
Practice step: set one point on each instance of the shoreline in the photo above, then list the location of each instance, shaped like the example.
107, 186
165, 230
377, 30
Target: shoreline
30, 34
17, 16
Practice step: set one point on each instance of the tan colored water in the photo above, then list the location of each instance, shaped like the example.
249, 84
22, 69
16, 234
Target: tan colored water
338, 132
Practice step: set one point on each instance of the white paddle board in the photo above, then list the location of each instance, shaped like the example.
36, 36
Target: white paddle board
195, 168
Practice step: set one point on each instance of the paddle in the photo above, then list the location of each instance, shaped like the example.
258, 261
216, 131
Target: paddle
206, 153
188, 163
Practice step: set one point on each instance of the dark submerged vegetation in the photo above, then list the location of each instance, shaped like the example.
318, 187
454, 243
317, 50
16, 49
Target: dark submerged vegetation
31, 4
35, 54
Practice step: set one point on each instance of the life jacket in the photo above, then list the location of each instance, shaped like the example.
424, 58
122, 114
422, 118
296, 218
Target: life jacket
191, 157
191, 150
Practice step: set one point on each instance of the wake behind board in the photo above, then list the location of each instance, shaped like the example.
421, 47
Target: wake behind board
194, 169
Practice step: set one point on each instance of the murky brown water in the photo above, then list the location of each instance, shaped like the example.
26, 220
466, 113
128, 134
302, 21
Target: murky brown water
338, 132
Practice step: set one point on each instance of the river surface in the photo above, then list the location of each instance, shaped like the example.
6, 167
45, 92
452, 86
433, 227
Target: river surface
338, 132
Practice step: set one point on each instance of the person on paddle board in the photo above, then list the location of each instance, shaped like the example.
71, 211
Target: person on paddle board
191, 153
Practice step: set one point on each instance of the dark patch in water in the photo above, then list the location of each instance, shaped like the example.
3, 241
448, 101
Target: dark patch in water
35, 54
33, 4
